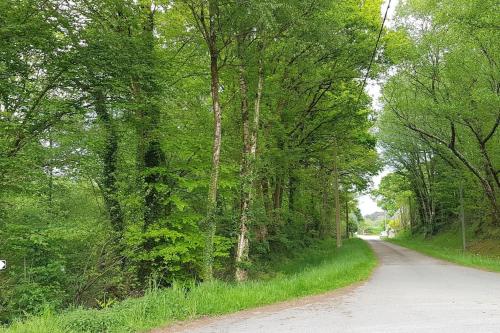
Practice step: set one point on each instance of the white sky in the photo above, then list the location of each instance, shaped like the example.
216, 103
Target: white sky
391, 14
366, 204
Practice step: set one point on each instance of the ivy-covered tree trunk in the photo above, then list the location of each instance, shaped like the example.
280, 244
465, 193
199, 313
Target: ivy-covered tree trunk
109, 159
150, 157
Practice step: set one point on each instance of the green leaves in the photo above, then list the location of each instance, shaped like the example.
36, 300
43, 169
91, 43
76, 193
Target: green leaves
440, 103
393, 192
106, 136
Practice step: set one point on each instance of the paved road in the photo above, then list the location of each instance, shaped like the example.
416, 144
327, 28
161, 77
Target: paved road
408, 292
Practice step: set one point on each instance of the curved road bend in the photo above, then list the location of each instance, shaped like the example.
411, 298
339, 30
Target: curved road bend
408, 292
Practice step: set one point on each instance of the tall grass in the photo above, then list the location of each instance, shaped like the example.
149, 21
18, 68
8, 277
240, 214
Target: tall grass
448, 246
315, 270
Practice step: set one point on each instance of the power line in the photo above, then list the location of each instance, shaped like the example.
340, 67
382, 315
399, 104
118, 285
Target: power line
374, 51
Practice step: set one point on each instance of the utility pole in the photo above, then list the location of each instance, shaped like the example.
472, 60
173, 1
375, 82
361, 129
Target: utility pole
462, 217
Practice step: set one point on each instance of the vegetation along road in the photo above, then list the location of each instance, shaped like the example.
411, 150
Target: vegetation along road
165, 161
409, 292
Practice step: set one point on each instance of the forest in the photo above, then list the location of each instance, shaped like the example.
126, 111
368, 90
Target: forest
150, 143
439, 128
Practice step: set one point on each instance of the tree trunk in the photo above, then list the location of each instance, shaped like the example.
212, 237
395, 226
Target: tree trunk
489, 189
210, 221
347, 218
292, 188
245, 175
150, 157
109, 159
277, 193
256, 115
325, 230
490, 184
410, 214
250, 133
50, 167
336, 197
268, 205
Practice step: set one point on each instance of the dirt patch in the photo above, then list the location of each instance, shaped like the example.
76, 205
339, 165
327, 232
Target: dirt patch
487, 247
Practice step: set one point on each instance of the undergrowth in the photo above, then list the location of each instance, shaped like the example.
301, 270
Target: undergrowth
314, 270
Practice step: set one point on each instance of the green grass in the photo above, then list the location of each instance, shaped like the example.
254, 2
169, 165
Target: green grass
448, 246
315, 270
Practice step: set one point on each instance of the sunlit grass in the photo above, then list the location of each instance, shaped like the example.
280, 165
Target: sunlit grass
448, 246
313, 271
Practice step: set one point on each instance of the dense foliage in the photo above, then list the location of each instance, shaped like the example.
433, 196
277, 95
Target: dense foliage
146, 142
319, 268
439, 127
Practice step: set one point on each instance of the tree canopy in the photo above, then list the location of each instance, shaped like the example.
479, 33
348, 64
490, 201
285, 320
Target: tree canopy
439, 127
144, 142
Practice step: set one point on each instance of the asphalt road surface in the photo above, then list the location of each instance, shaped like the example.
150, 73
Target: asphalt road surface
408, 292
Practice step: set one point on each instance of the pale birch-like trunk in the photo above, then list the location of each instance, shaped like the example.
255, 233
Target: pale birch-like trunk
250, 132
245, 176
209, 225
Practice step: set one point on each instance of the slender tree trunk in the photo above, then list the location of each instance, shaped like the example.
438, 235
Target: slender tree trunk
462, 217
210, 221
250, 133
490, 184
257, 103
347, 218
242, 247
268, 205
277, 193
324, 209
423, 191
292, 189
410, 214
279, 180
489, 181
336, 197
50, 166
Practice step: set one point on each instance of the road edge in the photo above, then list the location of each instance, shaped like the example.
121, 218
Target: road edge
185, 325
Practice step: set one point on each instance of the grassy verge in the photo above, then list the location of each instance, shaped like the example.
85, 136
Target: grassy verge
480, 254
315, 270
